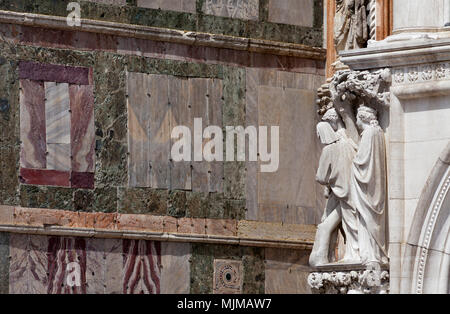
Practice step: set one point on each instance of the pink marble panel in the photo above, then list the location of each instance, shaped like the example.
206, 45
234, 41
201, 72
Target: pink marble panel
28, 264
82, 128
32, 124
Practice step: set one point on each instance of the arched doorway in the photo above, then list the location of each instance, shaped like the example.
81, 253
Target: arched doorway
426, 261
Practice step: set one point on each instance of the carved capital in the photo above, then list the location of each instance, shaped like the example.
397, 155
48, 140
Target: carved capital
350, 282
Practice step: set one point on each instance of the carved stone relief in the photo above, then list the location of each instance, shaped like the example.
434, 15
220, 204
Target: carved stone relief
352, 169
351, 27
228, 277
350, 282
420, 74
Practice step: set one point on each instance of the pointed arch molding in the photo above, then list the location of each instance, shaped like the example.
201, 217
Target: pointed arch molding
427, 254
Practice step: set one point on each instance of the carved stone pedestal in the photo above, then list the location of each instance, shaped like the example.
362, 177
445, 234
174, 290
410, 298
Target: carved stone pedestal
349, 279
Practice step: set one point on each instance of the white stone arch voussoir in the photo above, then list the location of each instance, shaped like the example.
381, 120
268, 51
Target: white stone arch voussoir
426, 264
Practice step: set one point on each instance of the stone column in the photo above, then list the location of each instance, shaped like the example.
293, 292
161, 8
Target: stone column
419, 16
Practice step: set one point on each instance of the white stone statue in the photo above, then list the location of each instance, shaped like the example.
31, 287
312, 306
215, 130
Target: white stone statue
356, 177
335, 174
368, 188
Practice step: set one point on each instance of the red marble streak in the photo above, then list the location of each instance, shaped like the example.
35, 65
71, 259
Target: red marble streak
56, 257
130, 251
44, 177
60, 250
154, 269
140, 266
53, 73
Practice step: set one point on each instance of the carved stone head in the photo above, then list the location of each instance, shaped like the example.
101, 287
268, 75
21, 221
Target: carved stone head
365, 117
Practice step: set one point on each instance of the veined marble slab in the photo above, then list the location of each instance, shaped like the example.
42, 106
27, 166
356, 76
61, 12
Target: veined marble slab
32, 124
57, 113
82, 128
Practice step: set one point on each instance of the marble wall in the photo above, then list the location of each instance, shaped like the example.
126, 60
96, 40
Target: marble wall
87, 119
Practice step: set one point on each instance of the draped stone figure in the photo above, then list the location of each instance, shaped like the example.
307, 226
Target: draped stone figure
351, 30
334, 173
356, 176
368, 188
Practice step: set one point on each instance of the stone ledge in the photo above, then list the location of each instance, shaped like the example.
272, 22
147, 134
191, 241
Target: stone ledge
396, 54
166, 35
158, 228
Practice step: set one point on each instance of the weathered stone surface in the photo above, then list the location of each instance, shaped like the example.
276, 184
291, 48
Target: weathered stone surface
221, 227
175, 272
172, 5
83, 200
267, 94
176, 204
293, 12
4, 262
110, 2
143, 201
243, 9
46, 197
140, 222
9, 160
110, 120
138, 102
191, 226
202, 267
28, 264
6, 215
160, 130
234, 115
276, 231
105, 200
181, 173
286, 271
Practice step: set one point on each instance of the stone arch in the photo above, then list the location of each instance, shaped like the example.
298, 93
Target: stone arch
426, 262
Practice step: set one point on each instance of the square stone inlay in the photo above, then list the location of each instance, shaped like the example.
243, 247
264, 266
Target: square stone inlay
228, 277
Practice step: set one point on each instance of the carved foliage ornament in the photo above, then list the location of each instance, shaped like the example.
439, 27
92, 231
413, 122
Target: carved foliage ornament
350, 282
370, 88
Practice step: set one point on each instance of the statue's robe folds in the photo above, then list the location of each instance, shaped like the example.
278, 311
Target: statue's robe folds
368, 189
334, 170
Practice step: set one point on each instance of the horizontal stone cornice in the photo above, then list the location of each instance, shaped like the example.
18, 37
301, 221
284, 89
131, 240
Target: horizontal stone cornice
165, 35
54, 222
397, 54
